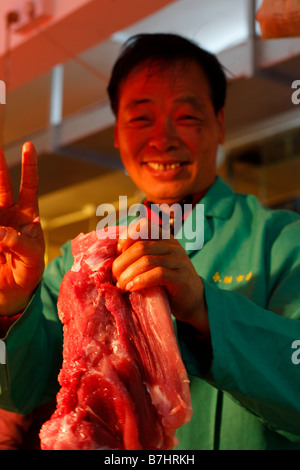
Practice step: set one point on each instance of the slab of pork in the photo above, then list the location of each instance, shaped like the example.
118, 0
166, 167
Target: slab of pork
123, 382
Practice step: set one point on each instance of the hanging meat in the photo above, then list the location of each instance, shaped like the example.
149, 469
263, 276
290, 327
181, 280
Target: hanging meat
279, 19
123, 382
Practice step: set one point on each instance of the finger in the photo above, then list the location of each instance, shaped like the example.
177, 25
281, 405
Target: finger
142, 229
33, 229
6, 188
28, 196
150, 252
18, 243
136, 231
161, 265
155, 277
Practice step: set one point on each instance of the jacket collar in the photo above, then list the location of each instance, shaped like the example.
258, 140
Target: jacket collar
218, 200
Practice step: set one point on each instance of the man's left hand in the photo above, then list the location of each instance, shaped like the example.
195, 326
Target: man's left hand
146, 263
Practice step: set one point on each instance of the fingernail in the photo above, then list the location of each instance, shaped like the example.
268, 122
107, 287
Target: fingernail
2, 233
129, 286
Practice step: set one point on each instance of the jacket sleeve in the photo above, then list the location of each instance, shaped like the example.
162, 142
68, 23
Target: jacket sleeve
254, 355
34, 345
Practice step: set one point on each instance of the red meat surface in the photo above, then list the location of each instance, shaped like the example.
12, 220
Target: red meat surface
123, 382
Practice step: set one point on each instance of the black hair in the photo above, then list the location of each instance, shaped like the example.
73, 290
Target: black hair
165, 49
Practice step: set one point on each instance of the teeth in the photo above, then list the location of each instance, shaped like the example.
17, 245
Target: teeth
162, 166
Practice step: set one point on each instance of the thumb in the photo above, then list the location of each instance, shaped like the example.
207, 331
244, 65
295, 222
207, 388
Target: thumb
19, 243
138, 230
142, 229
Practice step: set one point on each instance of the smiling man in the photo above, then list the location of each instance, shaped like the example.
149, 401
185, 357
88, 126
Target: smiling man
168, 136
235, 302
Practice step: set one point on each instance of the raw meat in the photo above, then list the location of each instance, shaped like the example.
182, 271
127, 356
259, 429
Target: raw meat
280, 19
123, 383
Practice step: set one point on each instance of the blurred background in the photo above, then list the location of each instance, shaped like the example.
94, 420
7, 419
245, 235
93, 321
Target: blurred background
55, 60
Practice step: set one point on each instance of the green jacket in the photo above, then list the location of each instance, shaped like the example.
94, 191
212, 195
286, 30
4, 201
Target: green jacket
249, 398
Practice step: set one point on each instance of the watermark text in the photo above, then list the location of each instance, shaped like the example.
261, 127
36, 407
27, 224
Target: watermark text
2, 352
168, 221
296, 354
2, 92
296, 94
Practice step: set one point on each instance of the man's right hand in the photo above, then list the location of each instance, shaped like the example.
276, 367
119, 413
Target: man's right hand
22, 244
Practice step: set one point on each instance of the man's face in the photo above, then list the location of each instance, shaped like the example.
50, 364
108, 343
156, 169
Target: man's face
167, 131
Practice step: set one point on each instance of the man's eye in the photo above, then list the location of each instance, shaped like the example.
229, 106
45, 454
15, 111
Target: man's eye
187, 117
139, 118
139, 121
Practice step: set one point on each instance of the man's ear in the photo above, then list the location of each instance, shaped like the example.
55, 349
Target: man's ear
116, 136
221, 125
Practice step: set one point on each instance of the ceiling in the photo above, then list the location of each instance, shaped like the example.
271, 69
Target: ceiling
77, 159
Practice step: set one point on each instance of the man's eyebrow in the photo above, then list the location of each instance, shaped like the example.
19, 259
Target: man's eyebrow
181, 100
191, 100
133, 103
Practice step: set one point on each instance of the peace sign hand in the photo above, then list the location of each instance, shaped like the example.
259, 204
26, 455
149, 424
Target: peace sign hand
21, 238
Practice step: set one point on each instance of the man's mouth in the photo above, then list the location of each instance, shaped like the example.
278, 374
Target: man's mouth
164, 166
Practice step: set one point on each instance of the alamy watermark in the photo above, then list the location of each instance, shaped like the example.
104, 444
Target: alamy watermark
296, 354
2, 352
170, 216
2, 92
296, 94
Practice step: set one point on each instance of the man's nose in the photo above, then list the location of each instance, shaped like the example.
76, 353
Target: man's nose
164, 136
